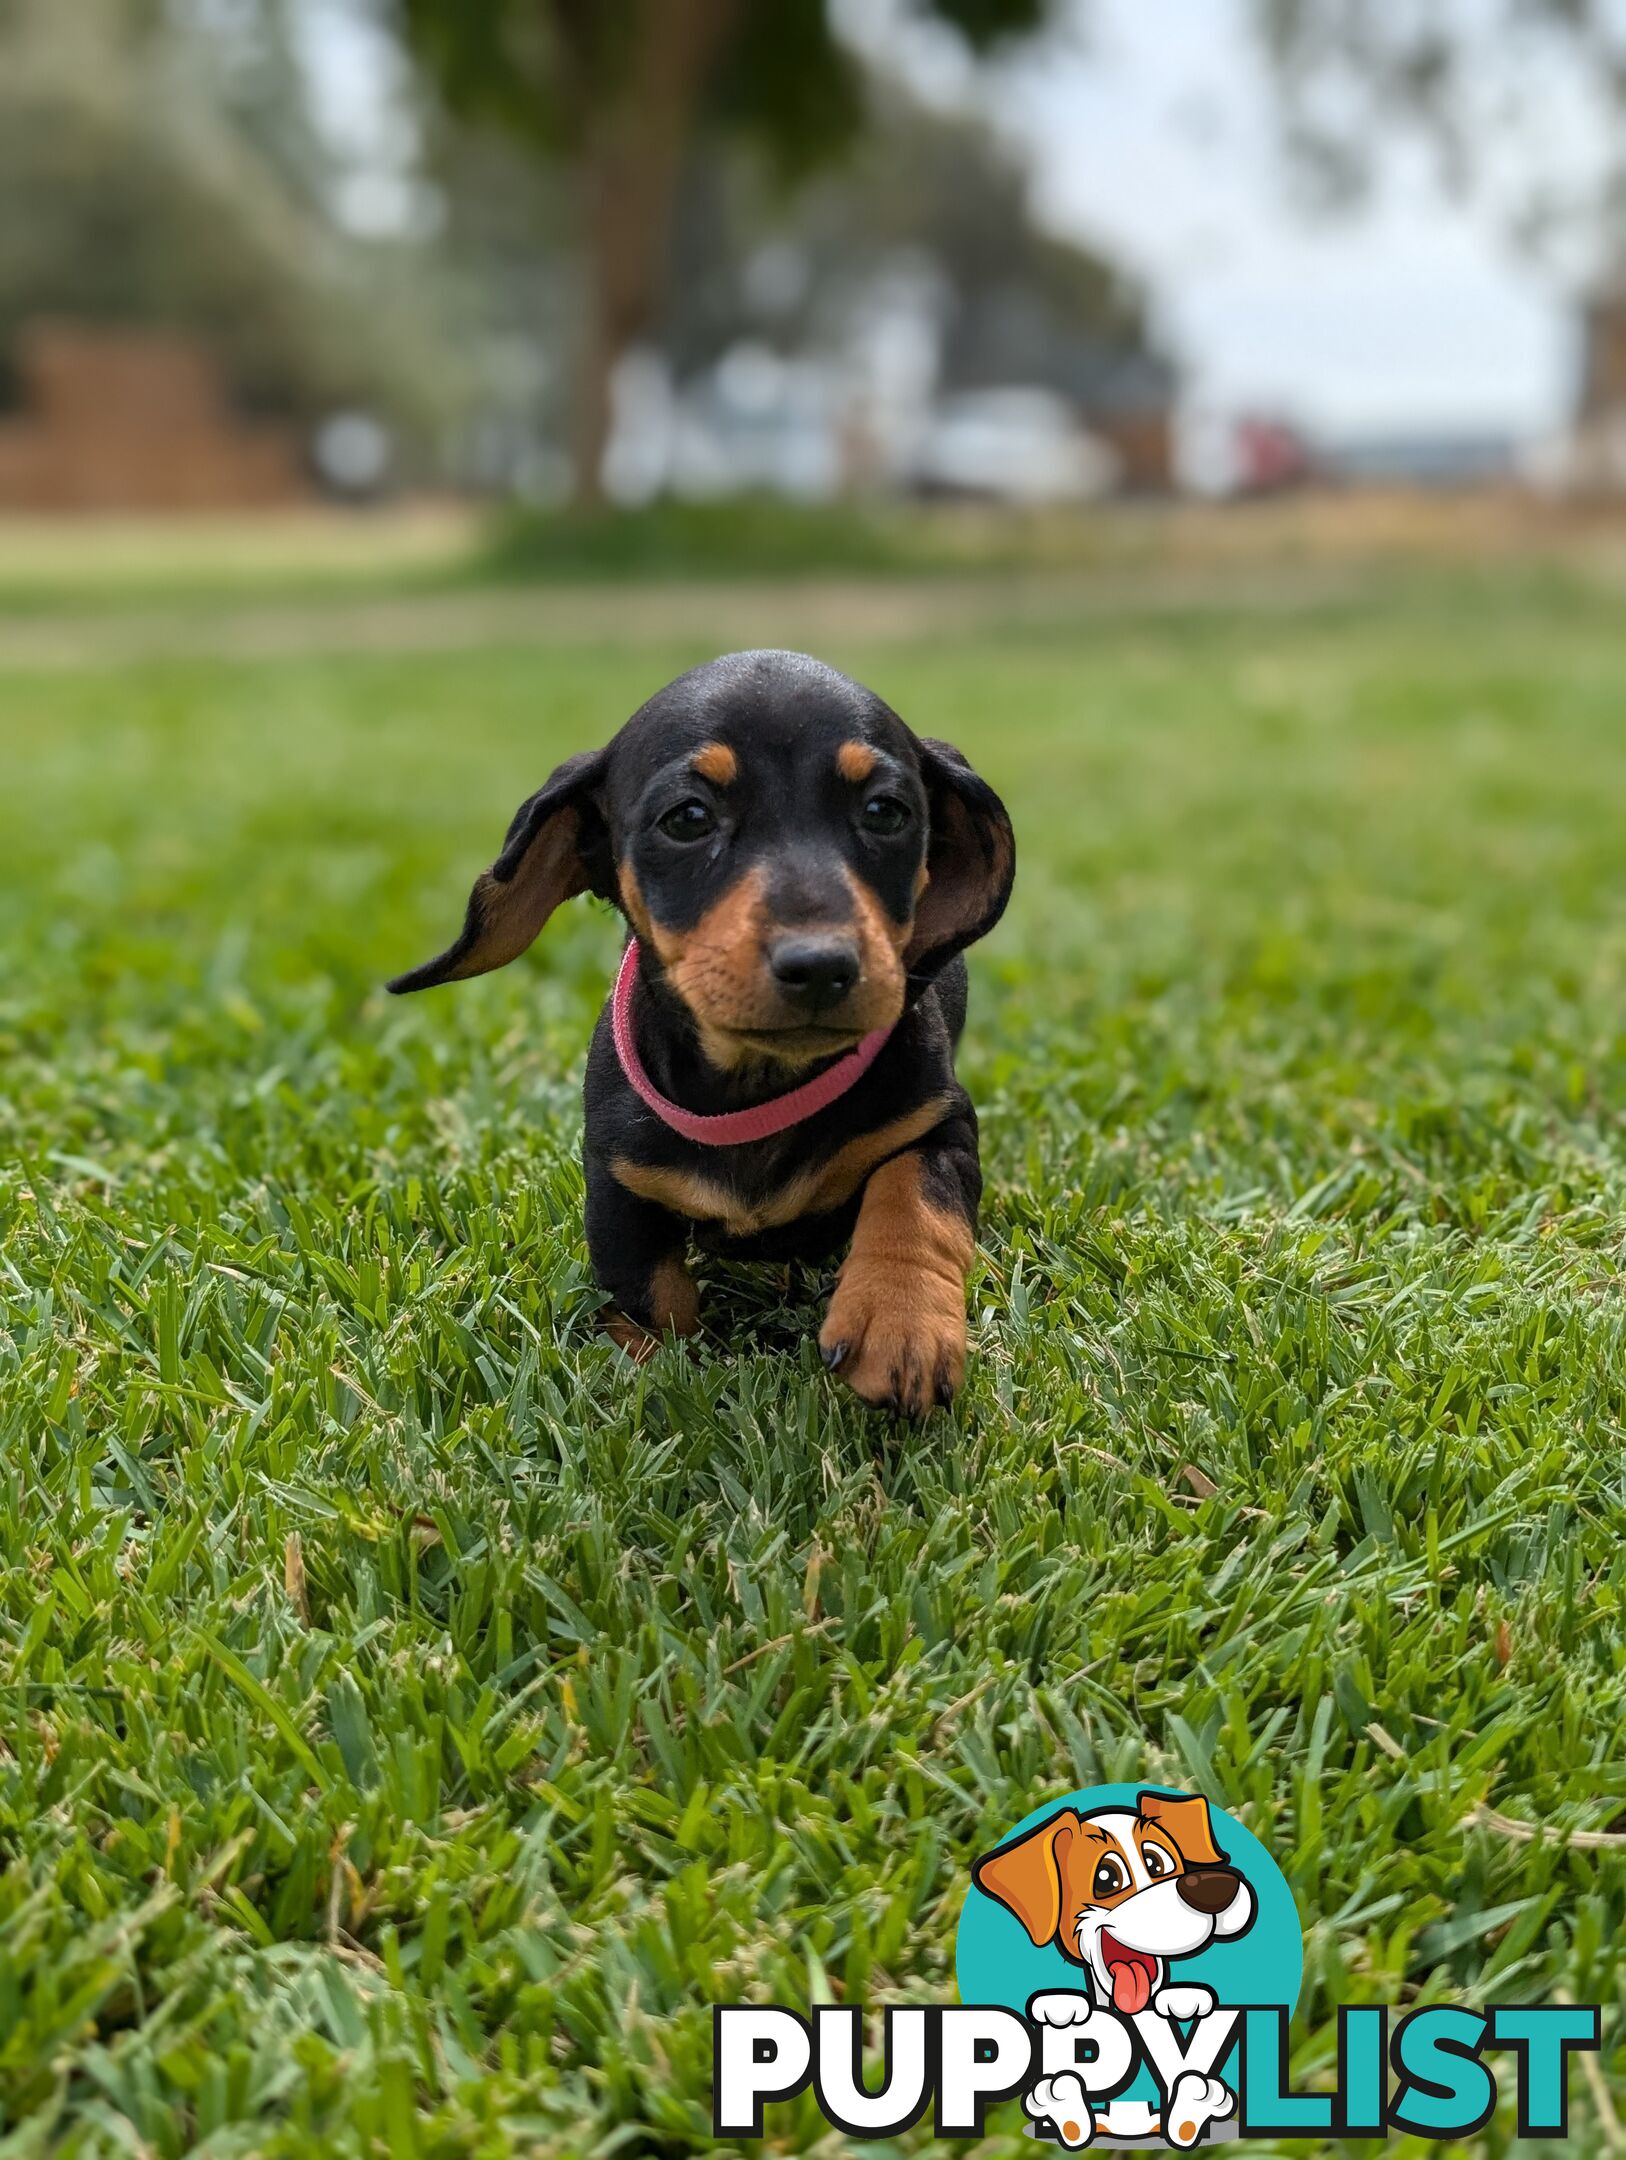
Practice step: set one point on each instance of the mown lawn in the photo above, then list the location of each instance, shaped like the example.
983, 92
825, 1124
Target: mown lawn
415, 1715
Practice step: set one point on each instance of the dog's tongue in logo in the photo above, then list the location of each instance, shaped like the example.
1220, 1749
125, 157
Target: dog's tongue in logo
1132, 1974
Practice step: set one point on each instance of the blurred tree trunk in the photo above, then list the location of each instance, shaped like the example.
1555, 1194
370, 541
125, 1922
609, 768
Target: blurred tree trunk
618, 90
629, 165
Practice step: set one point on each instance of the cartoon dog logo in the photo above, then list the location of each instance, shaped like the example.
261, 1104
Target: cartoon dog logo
1123, 1893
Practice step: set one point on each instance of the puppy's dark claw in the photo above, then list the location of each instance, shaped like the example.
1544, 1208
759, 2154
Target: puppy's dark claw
833, 1353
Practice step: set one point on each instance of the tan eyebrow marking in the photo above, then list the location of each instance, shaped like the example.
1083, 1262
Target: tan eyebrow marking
715, 761
855, 761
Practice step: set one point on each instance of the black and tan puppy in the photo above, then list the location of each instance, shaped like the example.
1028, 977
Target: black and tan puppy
801, 874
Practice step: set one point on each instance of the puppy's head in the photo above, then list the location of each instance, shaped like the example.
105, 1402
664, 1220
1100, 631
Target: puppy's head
1121, 1891
794, 861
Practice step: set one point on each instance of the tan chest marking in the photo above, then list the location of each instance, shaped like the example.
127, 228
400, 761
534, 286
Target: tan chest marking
814, 1191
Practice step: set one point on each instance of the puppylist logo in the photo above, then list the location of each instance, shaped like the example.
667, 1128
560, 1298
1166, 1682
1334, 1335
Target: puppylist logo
1128, 1961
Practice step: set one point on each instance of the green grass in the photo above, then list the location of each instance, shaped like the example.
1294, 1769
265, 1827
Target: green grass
739, 538
415, 1715
764, 537
117, 566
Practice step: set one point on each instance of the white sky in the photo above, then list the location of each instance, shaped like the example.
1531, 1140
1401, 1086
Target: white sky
1155, 134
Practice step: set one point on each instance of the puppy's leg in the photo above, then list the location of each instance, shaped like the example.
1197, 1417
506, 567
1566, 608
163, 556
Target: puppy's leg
895, 1331
1062, 2101
636, 1248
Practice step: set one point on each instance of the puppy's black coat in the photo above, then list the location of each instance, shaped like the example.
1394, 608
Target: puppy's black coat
799, 869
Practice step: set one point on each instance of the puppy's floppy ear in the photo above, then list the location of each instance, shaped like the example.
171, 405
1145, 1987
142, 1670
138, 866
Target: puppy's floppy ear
1025, 1877
557, 846
970, 862
1189, 1824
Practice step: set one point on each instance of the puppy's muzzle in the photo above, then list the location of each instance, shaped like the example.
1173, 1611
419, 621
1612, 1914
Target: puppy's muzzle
1208, 1890
813, 974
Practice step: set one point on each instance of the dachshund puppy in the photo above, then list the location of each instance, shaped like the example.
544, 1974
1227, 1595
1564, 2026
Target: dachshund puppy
774, 1076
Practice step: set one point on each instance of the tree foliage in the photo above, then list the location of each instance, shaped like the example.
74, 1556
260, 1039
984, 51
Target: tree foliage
546, 68
622, 90
1477, 78
921, 186
154, 172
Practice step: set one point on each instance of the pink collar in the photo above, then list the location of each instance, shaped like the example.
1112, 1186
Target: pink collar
734, 1127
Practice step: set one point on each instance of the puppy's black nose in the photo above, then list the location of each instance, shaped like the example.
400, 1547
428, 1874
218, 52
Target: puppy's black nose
813, 973
1209, 1889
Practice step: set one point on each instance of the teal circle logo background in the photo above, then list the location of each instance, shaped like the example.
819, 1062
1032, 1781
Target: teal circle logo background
994, 1962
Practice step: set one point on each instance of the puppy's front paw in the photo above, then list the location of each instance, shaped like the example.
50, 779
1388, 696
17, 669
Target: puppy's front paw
1064, 2006
1195, 2102
671, 1306
897, 1340
1185, 2002
629, 1334
1062, 2102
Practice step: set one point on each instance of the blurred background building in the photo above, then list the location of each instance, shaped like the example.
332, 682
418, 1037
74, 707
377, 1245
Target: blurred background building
257, 251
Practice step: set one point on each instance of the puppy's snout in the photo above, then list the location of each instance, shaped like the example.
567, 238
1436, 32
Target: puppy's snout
1208, 1890
813, 973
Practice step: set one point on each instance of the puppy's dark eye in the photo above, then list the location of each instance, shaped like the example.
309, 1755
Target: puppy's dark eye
885, 816
1158, 1863
691, 820
1110, 1878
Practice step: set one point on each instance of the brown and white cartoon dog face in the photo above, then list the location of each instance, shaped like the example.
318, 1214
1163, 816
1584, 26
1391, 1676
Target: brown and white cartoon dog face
1121, 1891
